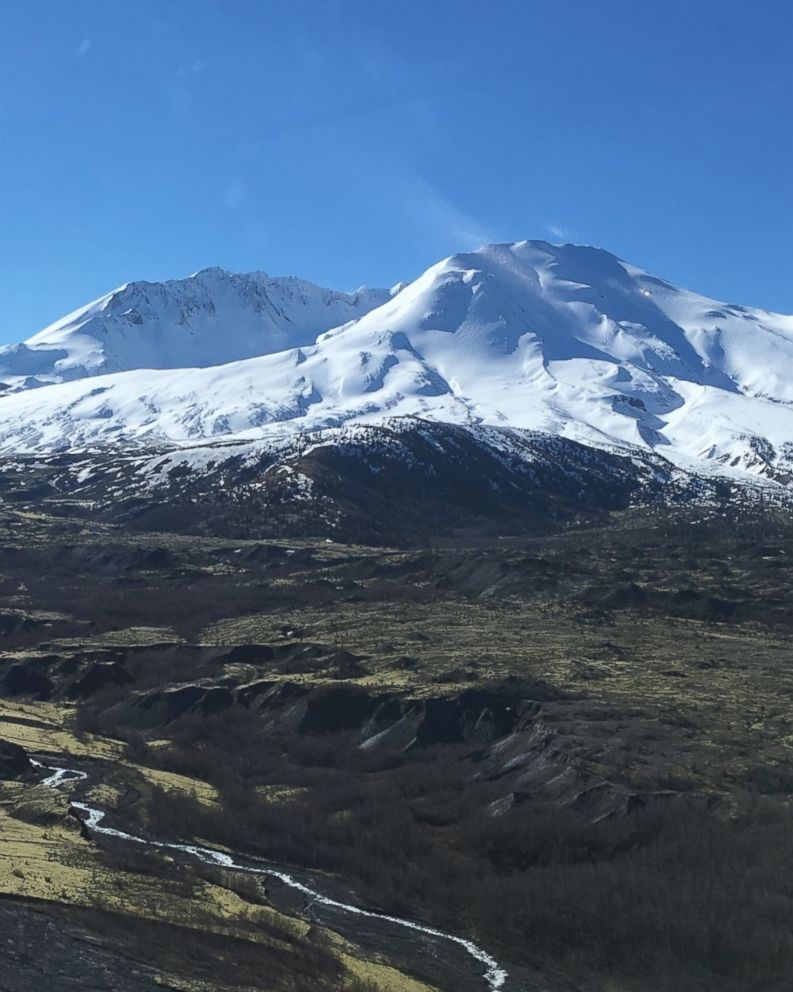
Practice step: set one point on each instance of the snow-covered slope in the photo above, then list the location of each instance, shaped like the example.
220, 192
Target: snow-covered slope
209, 318
566, 340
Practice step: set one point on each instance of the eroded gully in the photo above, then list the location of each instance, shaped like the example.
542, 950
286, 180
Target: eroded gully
493, 975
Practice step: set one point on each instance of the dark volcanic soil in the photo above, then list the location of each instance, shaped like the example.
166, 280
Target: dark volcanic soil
41, 952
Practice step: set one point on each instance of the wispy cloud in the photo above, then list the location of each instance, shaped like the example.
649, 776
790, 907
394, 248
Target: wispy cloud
83, 48
441, 217
558, 232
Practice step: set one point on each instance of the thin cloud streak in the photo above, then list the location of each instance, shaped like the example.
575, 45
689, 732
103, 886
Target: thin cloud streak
444, 220
560, 233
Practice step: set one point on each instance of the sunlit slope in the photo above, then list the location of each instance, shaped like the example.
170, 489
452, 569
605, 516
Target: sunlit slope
563, 339
210, 318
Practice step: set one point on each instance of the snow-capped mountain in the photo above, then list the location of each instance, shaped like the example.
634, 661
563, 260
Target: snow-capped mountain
566, 340
210, 318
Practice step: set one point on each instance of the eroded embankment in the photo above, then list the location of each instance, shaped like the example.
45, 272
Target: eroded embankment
494, 976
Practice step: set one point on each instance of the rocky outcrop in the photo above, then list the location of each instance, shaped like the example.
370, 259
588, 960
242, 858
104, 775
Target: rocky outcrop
27, 679
14, 761
149, 710
99, 676
338, 708
470, 717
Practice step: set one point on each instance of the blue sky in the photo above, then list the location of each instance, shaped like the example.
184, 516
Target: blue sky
350, 142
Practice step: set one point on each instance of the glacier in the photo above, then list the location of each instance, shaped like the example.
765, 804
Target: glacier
565, 340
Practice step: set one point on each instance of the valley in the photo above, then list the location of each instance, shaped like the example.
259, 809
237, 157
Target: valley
571, 748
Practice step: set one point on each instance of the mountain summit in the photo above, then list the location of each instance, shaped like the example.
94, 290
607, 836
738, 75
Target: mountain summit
210, 318
566, 340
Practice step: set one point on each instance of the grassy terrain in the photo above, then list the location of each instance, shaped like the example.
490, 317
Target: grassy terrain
44, 860
577, 748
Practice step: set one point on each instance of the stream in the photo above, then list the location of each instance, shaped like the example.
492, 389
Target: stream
494, 975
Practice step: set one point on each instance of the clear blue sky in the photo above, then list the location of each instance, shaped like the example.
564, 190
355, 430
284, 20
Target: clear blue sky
352, 141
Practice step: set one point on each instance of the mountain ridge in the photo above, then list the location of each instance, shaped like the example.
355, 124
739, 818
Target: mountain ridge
209, 318
562, 339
